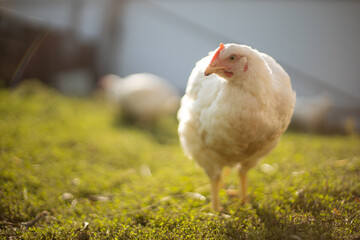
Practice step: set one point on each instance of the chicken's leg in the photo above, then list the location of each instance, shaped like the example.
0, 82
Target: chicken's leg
243, 185
215, 188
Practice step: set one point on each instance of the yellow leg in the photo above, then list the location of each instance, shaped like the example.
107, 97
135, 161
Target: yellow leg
230, 192
215, 188
226, 172
243, 185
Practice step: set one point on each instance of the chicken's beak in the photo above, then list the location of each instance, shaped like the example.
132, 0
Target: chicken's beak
213, 69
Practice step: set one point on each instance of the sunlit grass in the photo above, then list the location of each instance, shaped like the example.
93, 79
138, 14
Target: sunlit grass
129, 183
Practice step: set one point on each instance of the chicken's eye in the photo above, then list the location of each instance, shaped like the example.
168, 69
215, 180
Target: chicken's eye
232, 58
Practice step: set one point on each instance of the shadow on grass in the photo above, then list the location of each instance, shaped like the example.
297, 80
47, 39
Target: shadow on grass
293, 226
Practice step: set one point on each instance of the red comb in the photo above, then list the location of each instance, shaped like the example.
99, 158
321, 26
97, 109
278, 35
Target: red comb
221, 47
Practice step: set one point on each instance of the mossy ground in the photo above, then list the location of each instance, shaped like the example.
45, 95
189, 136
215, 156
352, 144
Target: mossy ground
128, 183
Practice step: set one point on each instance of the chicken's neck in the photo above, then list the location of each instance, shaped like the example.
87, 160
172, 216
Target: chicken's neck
255, 84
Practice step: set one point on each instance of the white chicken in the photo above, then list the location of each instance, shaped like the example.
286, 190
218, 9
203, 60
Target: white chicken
237, 104
310, 112
143, 97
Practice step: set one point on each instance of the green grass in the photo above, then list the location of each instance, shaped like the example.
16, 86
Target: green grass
51, 145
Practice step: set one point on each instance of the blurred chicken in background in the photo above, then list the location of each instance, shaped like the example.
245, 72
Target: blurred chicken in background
320, 114
143, 97
310, 112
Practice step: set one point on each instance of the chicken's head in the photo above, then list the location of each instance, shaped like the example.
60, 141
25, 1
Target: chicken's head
229, 61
